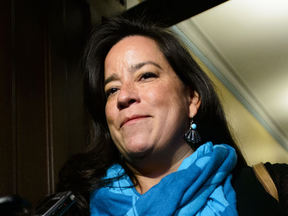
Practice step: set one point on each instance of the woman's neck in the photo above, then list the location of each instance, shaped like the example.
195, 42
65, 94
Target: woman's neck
147, 180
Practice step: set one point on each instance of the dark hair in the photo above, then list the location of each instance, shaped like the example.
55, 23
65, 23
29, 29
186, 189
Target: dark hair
84, 172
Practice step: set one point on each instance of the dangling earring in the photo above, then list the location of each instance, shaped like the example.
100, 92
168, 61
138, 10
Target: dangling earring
192, 136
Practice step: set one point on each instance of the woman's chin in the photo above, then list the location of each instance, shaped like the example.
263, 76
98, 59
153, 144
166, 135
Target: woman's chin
139, 150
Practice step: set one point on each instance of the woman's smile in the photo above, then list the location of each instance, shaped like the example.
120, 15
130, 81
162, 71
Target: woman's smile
132, 119
148, 107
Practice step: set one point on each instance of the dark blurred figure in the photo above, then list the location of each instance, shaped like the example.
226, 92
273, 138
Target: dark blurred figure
14, 206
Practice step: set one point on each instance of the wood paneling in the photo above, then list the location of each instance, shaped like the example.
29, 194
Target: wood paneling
7, 145
30, 68
42, 113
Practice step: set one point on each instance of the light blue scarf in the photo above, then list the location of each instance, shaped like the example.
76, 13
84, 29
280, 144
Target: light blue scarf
201, 186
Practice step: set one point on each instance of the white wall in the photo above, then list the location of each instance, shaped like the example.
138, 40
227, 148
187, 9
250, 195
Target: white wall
255, 142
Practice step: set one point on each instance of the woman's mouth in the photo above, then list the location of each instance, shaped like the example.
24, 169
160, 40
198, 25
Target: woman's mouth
132, 119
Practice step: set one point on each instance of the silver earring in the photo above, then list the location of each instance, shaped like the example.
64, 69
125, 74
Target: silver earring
192, 136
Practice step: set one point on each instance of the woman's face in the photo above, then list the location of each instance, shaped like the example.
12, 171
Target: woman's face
148, 107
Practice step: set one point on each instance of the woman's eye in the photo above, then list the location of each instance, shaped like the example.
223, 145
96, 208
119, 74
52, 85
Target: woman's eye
147, 75
110, 92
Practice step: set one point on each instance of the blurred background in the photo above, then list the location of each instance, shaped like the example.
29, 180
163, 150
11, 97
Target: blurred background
242, 45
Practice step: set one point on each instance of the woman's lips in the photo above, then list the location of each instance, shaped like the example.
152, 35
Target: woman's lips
133, 119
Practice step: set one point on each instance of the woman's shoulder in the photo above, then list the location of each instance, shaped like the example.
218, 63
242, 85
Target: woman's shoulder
252, 199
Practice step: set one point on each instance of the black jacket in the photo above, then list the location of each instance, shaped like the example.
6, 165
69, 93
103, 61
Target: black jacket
253, 200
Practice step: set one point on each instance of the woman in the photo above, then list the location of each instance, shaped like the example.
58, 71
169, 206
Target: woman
146, 96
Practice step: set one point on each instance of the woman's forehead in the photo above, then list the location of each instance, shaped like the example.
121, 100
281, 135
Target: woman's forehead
132, 51
135, 43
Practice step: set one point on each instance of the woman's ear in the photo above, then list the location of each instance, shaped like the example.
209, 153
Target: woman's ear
195, 102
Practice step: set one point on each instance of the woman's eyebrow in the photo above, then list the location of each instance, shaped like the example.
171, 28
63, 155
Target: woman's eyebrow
111, 78
133, 68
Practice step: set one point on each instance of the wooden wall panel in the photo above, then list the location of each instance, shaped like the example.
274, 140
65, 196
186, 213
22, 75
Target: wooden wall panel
58, 77
30, 68
7, 144
41, 103
67, 36
77, 25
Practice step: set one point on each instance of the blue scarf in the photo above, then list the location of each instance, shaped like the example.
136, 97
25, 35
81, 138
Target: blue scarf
201, 186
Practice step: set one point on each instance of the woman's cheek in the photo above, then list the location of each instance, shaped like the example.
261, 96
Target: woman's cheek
109, 112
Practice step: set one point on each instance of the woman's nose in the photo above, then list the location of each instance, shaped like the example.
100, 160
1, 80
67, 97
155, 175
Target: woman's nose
127, 96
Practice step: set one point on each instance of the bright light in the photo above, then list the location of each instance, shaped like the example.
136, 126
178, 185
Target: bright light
264, 7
